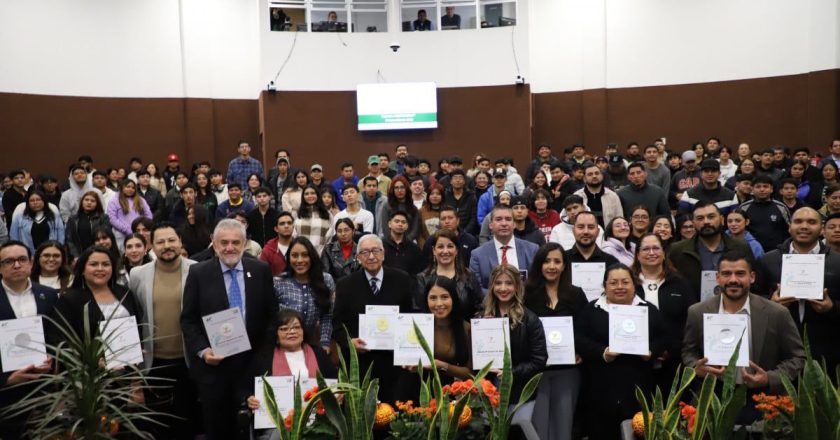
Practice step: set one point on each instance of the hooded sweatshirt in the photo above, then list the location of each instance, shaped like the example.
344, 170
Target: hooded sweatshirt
69, 203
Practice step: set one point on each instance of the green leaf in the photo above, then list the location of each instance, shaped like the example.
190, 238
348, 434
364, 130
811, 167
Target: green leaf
704, 401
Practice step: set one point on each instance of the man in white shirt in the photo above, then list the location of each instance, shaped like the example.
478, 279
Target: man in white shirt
362, 218
504, 248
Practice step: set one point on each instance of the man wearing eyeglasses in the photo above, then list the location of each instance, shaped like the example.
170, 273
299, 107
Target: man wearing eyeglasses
20, 298
375, 285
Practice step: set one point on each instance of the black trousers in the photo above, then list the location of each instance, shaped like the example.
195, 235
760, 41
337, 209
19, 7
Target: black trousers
175, 396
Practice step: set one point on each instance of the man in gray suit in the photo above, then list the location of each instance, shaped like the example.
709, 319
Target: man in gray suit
774, 342
159, 286
503, 248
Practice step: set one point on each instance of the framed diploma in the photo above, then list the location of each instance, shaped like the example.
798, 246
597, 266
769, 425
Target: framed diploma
22, 343
629, 329
559, 340
407, 349
802, 276
377, 326
721, 333
226, 332
489, 336
590, 278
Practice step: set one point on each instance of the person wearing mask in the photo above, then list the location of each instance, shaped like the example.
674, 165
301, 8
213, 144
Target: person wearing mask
274, 251
80, 226
617, 241
613, 377
503, 248
375, 285
506, 299
769, 218
602, 201
159, 286
660, 285
445, 262
548, 293
226, 281
307, 289
697, 259
639, 192
37, 223
20, 297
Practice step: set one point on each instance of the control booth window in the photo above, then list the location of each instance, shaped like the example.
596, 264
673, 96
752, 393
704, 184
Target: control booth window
329, 15
432, 15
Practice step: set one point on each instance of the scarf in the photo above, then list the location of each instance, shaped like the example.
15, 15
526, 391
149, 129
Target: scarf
280, 366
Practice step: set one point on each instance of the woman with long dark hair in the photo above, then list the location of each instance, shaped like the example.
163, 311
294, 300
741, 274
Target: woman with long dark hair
290, 199
123, 209
50, 266
195, 233
818, 194
157, 180
38, 223
639, 223
254, 182
430, 213
452, 329
313, 220
135, 252
746, 167
339, 257
204, 194
617, 241
307, 289
399, 200
80, 226
663, 228
549, 292
447, 263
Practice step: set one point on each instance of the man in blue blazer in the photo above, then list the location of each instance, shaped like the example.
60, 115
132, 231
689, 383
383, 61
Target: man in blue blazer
20, 298
503, 248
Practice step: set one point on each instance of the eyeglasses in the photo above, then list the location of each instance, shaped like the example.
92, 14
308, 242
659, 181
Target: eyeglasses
7, 262
294, 328
368, 252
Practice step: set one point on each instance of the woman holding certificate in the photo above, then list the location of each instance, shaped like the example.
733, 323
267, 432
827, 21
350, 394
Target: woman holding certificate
307, 289
447, 263
619, 336
452, 333
550, 294
661, 286
506, 299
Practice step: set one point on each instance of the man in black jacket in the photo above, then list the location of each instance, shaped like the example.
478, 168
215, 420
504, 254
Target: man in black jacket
401, 253
463, 200
769, 218
822, 317
523, 227
151, 195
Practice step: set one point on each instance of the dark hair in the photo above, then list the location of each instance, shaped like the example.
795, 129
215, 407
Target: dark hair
343, 221
64, 272
187, 186
321, 293
788, 180
619, 266
572, 199
828, 163
347, 186
801, 150
146, 257
670, 223
833, 216
762, 178
285, 316
679, 221
145, 221
79, 272
456, 316
259, 179
50, 216
744, 178
345, 165
108, 232
306, 210
608, 232
11, 243
704, 204
262, 190
394, 204
535, 292
635, 165
294, 179
398, 212
99, 209
163, 225
461, 271
368, 179
667, 267
734, 256
284, 214
234, 185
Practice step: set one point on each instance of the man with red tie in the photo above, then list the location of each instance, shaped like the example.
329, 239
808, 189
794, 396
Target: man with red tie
504, 248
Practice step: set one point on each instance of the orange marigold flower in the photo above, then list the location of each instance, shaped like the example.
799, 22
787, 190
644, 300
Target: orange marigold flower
384, 414
288, 421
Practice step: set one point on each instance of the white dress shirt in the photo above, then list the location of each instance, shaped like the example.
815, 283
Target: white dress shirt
511, 252
23, 303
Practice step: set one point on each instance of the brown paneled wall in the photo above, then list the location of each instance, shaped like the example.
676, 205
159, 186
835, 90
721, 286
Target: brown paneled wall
790, 110
46, 133
321, 126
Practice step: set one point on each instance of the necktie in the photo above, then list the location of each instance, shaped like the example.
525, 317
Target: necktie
234, 294
374, 288
504, 254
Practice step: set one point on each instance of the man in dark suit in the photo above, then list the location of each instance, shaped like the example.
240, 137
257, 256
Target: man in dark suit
774, 344
821, 317
20, 298
375, 285
224, 282
503, 248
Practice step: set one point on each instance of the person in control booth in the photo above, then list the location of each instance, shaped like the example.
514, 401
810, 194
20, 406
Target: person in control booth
422, 23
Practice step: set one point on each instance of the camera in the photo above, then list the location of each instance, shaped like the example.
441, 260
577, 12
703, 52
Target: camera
520, 80
395, 46
271, 86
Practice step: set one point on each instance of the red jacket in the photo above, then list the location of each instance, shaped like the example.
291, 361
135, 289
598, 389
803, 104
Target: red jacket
273, 257
550, 219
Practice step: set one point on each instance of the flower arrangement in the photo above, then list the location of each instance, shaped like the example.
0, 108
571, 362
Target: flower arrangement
777, 416
684, 427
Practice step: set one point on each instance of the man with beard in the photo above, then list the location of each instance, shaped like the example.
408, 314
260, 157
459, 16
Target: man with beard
697, 259
224, 282
822, 317
602, 201
585, 250
274, 251
710, 190
774, 344
159, 286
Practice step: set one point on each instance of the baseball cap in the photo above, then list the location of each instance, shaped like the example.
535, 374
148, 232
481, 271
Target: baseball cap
282, 159
710, 164
499, 172
374, 159
601, 159
456, 159
518, 200
616, 159
689, 155
172, 158
316, 166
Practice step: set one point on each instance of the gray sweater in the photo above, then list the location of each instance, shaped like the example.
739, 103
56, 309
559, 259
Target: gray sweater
648, 195
659, 176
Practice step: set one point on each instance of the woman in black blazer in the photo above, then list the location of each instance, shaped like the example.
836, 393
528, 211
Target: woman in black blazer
661, 286
611, 378
549, 292
506, 298
94, 285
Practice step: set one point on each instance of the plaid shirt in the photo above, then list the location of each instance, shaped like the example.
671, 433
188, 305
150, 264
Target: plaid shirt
239, 170
319, 231
298, 297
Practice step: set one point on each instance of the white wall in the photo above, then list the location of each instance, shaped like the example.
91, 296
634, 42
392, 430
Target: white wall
223, 48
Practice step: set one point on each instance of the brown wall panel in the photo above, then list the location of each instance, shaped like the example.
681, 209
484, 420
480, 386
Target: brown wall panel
321, 126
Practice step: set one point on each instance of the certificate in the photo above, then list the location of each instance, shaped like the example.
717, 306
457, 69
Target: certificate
489, 336
407, 349
226, 332
708, 283
802, 276
590, 278
22, 343
122, 342
376, 327
721, 333
559, 340
284, 388
629, 329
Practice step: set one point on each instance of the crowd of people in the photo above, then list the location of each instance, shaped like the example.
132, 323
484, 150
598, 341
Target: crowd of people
680, 233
